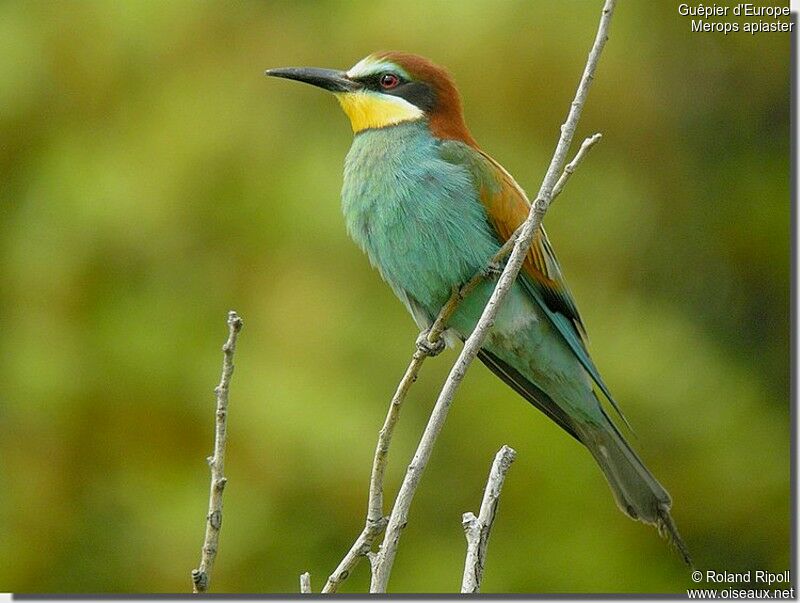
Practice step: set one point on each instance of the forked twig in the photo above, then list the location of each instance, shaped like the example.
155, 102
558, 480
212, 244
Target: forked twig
477, 529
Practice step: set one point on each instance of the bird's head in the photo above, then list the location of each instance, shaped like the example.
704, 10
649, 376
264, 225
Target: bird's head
389, 88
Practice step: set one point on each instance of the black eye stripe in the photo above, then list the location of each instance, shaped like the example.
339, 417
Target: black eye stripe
418, 94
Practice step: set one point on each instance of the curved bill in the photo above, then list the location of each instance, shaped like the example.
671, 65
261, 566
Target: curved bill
329, 79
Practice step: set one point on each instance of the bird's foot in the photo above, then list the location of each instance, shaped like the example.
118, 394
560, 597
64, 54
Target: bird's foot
494, 269
425, 346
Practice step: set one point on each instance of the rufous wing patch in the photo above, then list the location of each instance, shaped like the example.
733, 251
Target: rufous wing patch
507, 208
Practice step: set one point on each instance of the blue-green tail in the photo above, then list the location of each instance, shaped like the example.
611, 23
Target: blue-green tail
637, 493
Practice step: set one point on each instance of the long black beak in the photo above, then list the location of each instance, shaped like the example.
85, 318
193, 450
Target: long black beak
329, 79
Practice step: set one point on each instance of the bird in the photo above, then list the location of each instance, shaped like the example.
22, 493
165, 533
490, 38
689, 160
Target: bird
430, 209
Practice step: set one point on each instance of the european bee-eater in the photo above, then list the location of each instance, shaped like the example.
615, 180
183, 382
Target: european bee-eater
430, 209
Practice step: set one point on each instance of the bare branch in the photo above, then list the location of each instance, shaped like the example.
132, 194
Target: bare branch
573, 165
201, 577
399, 515
477, 529
305, 583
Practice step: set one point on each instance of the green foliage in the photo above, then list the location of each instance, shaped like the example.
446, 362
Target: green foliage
151, 179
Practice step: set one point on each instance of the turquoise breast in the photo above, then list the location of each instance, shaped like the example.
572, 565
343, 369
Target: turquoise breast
414, 214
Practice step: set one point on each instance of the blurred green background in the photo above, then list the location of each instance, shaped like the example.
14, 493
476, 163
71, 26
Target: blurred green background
151, 179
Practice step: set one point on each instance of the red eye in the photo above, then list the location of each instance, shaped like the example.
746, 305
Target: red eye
389, 80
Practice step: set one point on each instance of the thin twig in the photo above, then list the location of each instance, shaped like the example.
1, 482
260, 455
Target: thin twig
477, 529
305, 583
573, 165
399, 515
201, 577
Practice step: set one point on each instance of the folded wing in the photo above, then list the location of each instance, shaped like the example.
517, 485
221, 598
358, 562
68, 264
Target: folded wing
507, 207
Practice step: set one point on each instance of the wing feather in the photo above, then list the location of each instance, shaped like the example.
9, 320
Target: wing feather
507, 207
528, 390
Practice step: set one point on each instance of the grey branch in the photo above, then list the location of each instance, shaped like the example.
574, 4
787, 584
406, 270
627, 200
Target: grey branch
399, 516
201, 577
376, 522
477, 529
305, 583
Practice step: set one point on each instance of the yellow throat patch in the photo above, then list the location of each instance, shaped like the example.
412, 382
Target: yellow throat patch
371, 110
